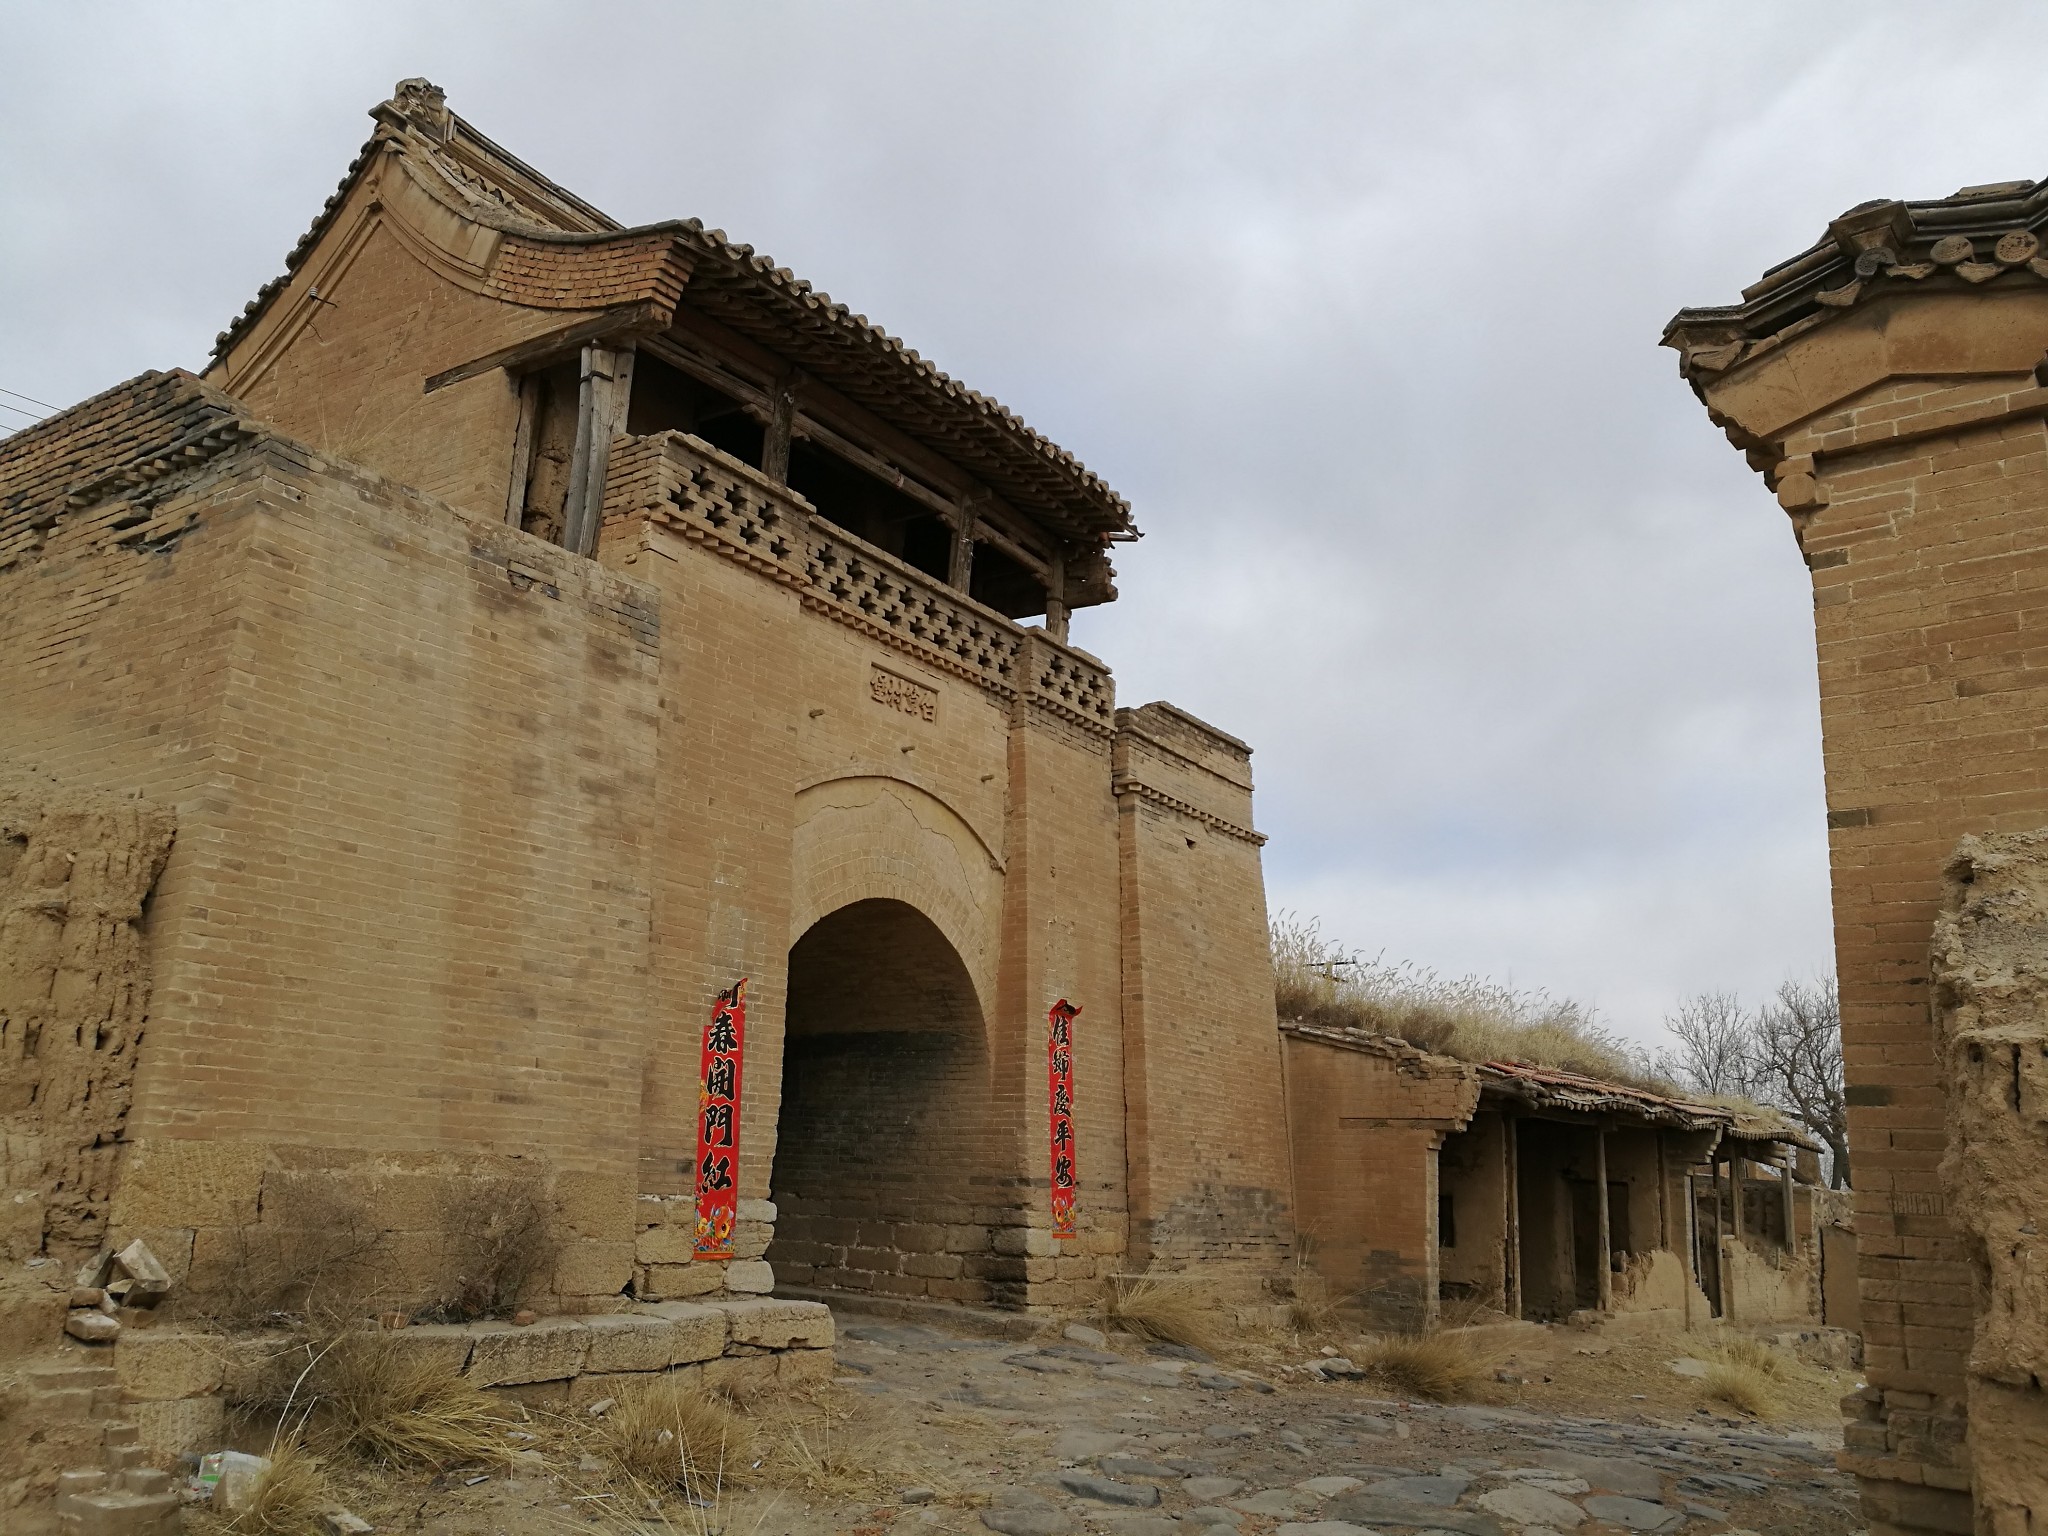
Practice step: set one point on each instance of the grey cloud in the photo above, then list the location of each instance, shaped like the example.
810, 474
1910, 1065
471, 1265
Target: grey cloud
1358, 304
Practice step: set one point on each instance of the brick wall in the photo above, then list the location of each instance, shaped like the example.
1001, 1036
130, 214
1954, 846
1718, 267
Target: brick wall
1911, 452
407, 752
1209, 1177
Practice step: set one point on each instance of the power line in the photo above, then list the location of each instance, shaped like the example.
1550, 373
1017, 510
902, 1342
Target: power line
20, 411
31, 399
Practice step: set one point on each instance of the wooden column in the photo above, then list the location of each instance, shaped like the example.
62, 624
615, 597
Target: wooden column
960, 569
522, 449
1056, 597
781, 426
1721, 1233
1511, 1156
1785, 1174
1606, 1250
604, 390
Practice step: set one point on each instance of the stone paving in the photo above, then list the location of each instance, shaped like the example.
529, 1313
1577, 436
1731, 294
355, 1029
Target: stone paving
1149, 1441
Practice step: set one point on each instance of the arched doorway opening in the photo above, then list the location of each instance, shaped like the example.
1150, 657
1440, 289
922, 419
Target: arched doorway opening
883, 1138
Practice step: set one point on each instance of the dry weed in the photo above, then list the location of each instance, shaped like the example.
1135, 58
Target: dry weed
1747, 1375
1176, 1309
394, 1406
291, 1497
313, 1257
833, 1456
671, 1435
1440, 1366
1469, 1017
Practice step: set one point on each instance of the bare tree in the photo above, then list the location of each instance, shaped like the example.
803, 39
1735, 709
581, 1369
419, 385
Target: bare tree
1713, 1032
1795, 1062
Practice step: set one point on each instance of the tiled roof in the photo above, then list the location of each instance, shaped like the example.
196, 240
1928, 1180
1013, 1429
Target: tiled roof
750, 294
1978, 235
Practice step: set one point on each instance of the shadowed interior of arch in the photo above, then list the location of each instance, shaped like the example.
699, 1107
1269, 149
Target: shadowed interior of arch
885, 1125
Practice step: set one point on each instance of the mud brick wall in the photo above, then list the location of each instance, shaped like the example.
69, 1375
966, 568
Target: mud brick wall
1364, 1127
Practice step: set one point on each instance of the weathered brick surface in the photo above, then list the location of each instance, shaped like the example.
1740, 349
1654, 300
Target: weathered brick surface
1911, 450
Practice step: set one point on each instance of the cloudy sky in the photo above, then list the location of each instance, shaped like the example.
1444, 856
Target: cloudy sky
1357, 303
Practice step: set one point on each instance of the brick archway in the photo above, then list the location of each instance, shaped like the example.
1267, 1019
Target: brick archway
885, 1136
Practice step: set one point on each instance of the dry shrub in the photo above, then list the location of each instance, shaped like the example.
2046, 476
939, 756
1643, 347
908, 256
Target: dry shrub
1747, 1375
1175, 1309
313, 1256
290, 1497
394, 1406
669, 1434
1469, 1017
499, 1231
1440, 1366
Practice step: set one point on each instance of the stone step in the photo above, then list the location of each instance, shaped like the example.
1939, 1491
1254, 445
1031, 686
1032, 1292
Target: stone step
119, 1514
119, 1432
81, 1481
120, 1458
67, 1374
61, 1404
148, 1480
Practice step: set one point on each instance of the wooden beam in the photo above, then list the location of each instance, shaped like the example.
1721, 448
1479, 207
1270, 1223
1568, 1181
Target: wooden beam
1511, 1156
613, 325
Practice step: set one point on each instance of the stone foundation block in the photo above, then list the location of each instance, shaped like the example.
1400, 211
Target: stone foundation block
695, 1332
552, 1396
178, 1183
159, 1364
1026, 1242
629, 1342
448, 1344
595, 1205
671, 1282
259, 1367
750, 1239
749, 1277
665, 1245
770, 1323
593, 1269
171, 1427
553, 1350
758, 1210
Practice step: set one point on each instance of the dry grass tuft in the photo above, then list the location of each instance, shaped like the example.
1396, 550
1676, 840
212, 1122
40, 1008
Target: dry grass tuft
669, 1435
1438, 1366
1178, 1309
1747, 1375
291, 1497
1469, 1017
500, 1235
832, 1457
390, 1405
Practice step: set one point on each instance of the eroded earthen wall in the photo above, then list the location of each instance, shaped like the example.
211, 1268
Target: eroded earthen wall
1990, 973
76, 869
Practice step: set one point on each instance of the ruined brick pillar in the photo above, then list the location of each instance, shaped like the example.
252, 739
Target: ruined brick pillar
1887, 385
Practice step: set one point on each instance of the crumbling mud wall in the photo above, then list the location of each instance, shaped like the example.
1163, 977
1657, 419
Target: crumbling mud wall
76, 867
1989, 966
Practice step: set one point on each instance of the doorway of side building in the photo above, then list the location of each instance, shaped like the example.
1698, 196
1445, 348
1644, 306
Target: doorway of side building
882, 1146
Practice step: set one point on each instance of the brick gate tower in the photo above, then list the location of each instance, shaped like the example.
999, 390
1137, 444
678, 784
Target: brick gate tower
1888, 385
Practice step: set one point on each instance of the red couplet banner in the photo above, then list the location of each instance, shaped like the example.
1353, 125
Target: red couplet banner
718, 1124
1059, 1073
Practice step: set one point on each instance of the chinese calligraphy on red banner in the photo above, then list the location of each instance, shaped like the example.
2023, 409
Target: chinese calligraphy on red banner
718, 1124
1059, 1072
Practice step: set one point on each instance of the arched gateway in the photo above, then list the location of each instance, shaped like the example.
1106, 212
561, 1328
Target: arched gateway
884, 1144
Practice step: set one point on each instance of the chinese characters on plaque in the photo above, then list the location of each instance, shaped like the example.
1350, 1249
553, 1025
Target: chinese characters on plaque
1059, 1072
718, 1124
